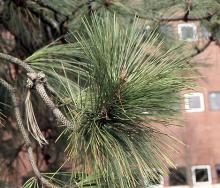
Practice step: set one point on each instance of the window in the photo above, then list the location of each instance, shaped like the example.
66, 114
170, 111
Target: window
214, 100
201, 174
177, 176
217, 167
194, 102
167, 31
187, 32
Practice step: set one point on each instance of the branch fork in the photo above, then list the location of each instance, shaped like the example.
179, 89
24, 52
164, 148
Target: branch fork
35, 78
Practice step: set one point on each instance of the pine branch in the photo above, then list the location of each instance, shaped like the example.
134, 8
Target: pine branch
25, 135
90, 10
203, 48
17, 61
79, 7
46, 16
39, 85
45, 5
188, 9
186, 18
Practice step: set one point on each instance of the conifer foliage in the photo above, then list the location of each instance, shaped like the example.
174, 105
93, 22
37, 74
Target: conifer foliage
129, 83
98, 88
128, 89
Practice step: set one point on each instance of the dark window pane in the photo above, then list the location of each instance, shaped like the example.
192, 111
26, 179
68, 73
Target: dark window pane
178, 176
214, 101
217, 167
194, 102
187, 32
201, 175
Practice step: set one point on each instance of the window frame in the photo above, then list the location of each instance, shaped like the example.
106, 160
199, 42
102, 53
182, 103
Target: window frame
202, 102
208, 172
195, 36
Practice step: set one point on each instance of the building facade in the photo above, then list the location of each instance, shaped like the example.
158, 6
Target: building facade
198, 159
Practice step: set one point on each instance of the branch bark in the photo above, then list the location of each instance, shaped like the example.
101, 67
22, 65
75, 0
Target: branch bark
186, 18
199, 50
40, 88
25, 135
46, 15
17, 61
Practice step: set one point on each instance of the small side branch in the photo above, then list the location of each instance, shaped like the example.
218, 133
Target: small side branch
200, 50
46, 15
188, 8
39, 83
25, 135
90, 9
17, 61
186, 18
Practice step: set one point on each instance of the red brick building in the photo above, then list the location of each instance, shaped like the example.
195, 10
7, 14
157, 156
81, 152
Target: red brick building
198, 161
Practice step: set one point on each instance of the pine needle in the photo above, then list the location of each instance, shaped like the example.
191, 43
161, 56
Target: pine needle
32, 124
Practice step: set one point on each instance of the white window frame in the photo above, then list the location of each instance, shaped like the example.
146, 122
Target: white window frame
208, 171
201, 97
195, 37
